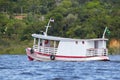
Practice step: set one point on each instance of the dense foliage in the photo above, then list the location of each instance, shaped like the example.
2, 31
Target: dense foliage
73, 18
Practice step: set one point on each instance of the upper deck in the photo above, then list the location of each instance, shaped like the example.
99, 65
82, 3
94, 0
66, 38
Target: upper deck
65, 39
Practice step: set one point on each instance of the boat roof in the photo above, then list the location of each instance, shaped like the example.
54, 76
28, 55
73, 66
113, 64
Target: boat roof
63, 39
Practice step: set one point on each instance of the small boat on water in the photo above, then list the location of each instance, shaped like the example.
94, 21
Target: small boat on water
49, 48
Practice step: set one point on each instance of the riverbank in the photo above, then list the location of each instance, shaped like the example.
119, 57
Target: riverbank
114, 46
72, 19
11, 47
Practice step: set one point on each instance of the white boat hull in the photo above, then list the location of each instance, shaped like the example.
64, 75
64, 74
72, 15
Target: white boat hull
46, 57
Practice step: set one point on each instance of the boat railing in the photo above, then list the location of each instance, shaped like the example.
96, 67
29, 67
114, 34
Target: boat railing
97, 52
35, 47
42, 49
50, 50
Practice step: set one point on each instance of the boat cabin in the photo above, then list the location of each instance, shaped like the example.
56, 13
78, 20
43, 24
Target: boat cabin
69, 47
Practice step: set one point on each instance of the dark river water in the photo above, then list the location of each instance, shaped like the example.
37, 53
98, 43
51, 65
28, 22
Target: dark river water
17, 67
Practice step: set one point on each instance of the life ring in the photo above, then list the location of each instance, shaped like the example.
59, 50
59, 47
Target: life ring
46, 41
32, 51
52, 57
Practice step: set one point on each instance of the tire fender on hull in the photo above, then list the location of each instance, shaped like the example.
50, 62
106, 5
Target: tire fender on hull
31, 51
52, 57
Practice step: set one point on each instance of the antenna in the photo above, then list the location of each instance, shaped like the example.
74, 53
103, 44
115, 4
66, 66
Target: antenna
104, 32
48, 25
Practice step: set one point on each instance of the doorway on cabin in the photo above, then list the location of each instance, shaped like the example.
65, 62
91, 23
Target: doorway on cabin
95, 44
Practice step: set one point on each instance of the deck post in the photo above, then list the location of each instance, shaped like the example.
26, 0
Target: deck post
38, 44
54, 46
43, 43
34, 43
103, 44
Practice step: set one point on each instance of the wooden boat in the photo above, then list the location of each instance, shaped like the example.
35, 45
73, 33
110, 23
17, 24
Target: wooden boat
49, 48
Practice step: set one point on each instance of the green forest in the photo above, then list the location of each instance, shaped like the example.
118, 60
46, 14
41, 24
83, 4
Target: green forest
72, 18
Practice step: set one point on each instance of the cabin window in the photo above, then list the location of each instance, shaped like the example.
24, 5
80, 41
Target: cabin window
76, 42
49, 43
54, 44
83, 42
